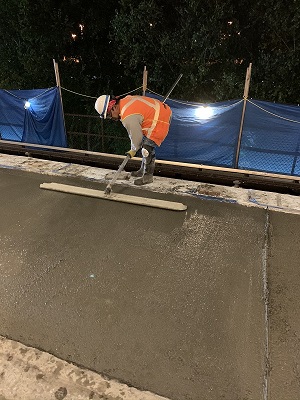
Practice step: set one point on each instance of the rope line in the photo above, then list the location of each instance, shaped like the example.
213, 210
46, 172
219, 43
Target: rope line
274, 115
158, 94
124, 94
22, 98
79, 94
193, 105
93, 97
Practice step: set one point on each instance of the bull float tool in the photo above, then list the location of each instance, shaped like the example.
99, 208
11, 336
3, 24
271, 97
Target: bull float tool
107, 194
116, 176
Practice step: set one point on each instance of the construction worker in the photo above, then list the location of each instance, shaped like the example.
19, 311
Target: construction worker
147, 122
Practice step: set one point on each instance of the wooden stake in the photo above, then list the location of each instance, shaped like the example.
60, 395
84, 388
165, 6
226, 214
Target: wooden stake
56, 73
59, 88
246, 92
145, 78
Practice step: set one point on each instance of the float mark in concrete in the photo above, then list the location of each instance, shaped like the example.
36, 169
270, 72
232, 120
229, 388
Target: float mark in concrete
266, 304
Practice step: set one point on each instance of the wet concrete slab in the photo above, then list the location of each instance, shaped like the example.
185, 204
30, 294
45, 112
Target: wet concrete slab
170, 302
195, 305
284, 303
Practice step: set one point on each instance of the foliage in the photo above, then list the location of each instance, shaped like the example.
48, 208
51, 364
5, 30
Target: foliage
190, 37
37, 32
277, 61
210, 42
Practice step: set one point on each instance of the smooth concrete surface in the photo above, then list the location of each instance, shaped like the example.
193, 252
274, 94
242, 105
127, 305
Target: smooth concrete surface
284, 288
194, 305
167, 302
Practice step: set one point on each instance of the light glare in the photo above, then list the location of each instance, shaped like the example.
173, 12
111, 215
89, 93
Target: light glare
204, 112
27, 105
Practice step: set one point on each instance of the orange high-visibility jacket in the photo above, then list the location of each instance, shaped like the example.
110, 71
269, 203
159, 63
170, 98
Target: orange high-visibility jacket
156, 116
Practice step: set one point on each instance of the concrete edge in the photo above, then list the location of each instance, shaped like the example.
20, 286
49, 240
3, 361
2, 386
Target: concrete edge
247, 197
30, 374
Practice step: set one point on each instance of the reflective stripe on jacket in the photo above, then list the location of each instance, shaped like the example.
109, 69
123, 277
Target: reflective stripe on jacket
156, 115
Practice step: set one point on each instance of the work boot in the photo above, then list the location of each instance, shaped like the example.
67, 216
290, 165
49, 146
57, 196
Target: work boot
140, 172
148, 168
146, 178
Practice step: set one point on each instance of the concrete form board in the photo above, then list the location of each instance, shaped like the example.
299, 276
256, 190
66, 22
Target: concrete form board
169, 302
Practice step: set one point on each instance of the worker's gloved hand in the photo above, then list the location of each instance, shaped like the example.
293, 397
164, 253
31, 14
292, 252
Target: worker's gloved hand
131, 153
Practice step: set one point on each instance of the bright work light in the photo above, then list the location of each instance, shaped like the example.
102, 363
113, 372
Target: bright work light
26, 105
204, 112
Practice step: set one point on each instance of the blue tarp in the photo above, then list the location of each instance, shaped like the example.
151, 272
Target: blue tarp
270, 135
39, 121
270, 139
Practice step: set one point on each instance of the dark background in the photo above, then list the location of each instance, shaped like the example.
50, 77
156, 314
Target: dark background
102, 47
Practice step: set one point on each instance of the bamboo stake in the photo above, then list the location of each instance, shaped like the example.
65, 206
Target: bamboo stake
246, 92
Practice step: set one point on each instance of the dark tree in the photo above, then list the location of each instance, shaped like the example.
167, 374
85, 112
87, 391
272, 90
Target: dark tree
212, 44
102, 47
74, 33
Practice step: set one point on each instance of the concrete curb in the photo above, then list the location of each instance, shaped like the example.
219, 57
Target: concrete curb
30, 374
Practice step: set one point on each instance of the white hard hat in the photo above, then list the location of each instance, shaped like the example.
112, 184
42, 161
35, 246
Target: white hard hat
102, 104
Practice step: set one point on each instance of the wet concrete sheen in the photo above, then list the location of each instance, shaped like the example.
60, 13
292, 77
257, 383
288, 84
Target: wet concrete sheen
171, 302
